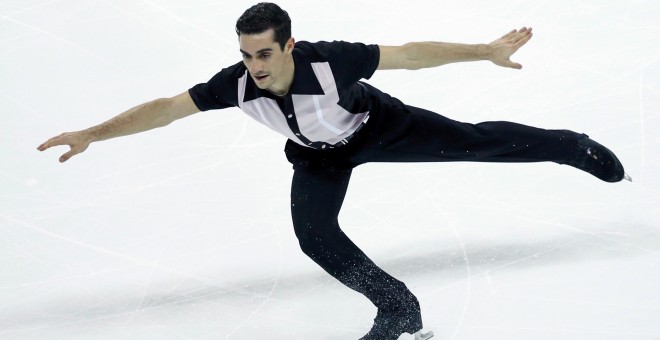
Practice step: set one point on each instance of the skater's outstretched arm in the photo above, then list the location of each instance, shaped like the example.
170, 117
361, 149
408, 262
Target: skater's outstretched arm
417, 55
154, 114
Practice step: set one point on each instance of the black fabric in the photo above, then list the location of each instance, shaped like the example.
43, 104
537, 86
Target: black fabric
394, 133
349, 62
316, 197
398, 133
403, 133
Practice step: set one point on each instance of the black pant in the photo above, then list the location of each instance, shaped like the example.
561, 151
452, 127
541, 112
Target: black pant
397, 133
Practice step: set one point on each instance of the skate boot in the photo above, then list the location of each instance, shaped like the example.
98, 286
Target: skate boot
389, 325
598, 161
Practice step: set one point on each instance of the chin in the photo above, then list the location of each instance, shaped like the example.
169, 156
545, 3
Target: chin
260, 85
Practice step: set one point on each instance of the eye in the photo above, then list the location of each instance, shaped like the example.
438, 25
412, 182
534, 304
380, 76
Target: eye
265, 56
245, 56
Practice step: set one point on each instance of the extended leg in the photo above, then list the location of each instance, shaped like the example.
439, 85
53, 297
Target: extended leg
412, 134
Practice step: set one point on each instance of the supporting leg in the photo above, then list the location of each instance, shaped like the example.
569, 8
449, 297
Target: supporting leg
316, 198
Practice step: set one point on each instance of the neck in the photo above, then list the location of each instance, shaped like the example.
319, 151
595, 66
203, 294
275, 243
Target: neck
282, 88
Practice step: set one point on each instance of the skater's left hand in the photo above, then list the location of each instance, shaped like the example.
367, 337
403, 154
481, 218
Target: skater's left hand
504, 47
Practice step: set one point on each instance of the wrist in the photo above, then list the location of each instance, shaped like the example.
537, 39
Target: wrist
484, 51
91, 135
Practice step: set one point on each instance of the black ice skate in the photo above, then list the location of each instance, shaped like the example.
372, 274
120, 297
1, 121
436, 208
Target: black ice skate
598, 161
391, 324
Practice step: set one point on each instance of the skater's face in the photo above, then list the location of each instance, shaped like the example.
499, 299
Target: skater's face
269, 65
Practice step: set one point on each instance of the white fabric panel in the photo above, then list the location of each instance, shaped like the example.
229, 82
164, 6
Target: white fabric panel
266, 111
319, 117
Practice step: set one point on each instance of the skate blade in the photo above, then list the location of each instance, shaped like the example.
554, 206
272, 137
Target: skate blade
627, 177
421, 336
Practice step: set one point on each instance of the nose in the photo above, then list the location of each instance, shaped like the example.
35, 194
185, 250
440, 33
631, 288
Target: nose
255, 67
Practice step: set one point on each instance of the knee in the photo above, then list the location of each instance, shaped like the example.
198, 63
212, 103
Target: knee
315, 236
309, 237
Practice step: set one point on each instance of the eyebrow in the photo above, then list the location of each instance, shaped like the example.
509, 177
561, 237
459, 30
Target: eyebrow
259, 52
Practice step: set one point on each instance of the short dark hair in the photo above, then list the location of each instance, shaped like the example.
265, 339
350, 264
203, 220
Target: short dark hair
263, 16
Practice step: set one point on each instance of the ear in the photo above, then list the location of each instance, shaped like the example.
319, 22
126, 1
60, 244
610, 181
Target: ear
289, 45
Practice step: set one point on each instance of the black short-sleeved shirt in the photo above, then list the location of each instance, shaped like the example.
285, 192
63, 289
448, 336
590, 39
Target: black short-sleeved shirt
326, 103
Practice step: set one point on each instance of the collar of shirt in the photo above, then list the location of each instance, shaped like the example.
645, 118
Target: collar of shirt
304, 81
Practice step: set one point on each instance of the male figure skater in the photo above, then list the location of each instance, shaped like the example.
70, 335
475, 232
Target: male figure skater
312, 94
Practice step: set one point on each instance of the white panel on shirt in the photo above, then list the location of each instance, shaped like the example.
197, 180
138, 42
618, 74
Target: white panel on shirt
319, 117
265, 111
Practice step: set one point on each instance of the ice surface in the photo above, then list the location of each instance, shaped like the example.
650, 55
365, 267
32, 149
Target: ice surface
184, 232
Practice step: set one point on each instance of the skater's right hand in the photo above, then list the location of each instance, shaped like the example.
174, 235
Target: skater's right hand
78, 142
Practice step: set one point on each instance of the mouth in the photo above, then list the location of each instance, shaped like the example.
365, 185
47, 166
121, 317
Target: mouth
261, 77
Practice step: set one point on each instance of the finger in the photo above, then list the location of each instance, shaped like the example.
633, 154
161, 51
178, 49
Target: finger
510, 64
45, 145
520, 30
516, 35
520, 34
523, 32
508, 35
57, 140
65, 157
523, 40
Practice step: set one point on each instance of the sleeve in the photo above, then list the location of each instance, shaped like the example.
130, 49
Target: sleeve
218, 93
351, 62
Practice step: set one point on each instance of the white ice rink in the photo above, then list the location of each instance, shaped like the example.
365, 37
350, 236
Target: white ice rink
184, 232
